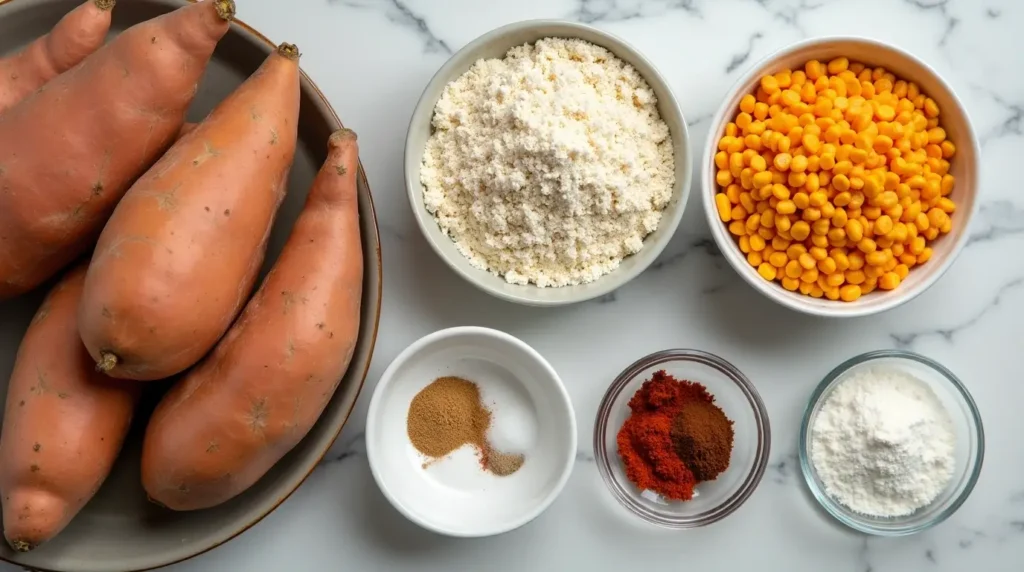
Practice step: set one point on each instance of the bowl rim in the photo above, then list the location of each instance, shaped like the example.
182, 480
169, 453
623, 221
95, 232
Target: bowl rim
603, 456
239, 26
774, 291
555, 384
447, 73
823, 389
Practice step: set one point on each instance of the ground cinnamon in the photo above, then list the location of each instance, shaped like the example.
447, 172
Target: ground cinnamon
448, 414
703, 437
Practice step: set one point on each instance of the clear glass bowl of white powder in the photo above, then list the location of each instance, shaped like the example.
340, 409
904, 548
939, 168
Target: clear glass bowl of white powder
891, 443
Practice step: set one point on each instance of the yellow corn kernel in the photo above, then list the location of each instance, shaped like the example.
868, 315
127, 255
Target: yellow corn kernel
821, 226
733, 192
724, 207
806, 288
877, 258
837, 66
747, 103
739, 212
818, 253
925, 255
778, 259
810, 275
723, 178
807, 261
783, 223
793, 269
758, 164
889, 281
747, 202
767, 271
836, 236
936, 217
796, 180
866, 245
801, 200
785, 207
901, 270
744, 243
753, 223
854, 230
827, 265
737, 228
837, 279
800, 230
757, 242
832, 293
761, 178
849, 293
754, 259
795, 250
931, 109
767, 217
883, 225
873, 272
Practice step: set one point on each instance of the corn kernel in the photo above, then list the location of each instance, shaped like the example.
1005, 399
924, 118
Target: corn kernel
849, 293
767, 271
889, 281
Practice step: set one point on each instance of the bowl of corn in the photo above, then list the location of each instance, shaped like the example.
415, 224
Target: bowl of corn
840, 176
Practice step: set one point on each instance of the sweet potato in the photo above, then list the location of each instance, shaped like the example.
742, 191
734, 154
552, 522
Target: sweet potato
63, 426
70, 151
263, 387
79, 33
179, 256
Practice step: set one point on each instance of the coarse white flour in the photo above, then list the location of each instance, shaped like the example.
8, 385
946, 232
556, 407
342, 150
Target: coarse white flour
883, 444
548, 166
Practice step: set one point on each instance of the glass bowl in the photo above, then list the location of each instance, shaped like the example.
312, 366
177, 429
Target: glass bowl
970, 447
734, 394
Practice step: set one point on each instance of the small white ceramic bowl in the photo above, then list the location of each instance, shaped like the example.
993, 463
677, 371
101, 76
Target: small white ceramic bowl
964, 166
531, 414
495, 44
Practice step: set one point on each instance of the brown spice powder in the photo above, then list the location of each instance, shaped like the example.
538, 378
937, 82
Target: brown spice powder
703, 439
502, 464
448, 414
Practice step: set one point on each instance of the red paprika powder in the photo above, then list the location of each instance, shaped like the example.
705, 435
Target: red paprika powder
645, 439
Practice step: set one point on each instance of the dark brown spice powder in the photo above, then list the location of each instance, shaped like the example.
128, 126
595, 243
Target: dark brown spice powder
703, 439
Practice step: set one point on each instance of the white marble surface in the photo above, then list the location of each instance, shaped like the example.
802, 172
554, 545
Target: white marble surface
373, 57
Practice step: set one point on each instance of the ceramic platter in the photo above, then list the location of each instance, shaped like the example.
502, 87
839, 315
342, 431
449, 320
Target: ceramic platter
119, 529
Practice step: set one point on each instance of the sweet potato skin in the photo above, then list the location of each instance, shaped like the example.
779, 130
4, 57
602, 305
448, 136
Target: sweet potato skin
178, 258
79, 33
70, 151
222, 427
63, 426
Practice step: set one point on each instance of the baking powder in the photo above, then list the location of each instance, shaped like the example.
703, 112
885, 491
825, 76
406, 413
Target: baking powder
883, 444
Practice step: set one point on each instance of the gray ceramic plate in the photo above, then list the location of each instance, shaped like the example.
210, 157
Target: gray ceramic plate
119, 529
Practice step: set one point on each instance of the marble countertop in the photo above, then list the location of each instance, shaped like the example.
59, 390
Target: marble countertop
373, 57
